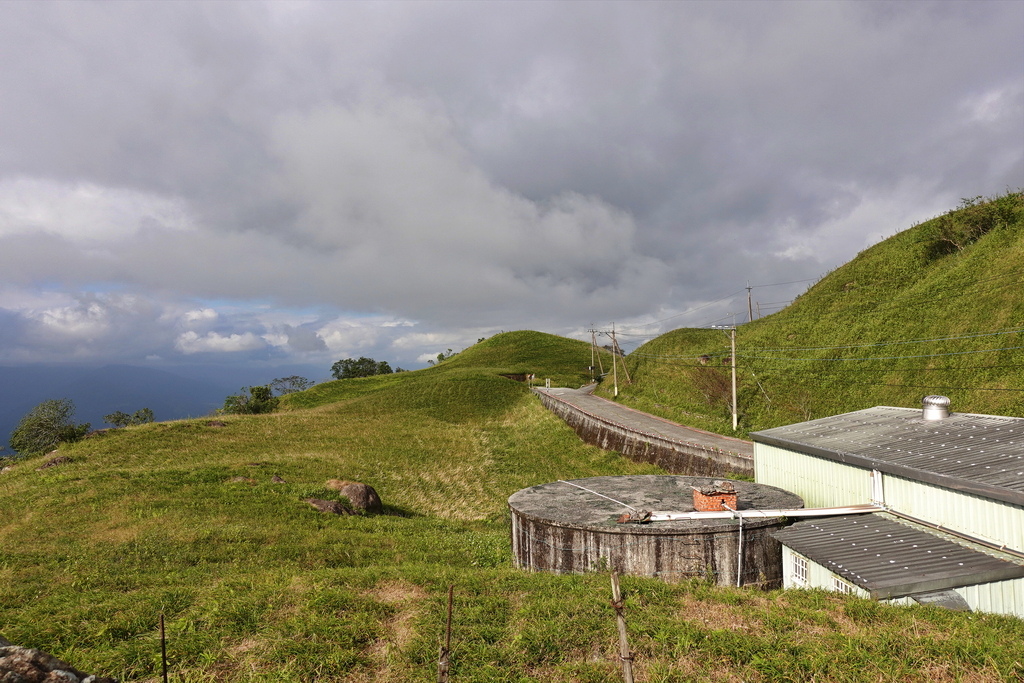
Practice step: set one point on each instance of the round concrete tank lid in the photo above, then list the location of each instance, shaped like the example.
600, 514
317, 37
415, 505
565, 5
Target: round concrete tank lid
565, 504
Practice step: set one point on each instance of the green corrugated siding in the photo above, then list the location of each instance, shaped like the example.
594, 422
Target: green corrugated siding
826, 483
987, 519
820, 482
999, 597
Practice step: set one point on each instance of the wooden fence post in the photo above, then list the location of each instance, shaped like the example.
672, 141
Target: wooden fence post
163, 647
442, 660
618, 604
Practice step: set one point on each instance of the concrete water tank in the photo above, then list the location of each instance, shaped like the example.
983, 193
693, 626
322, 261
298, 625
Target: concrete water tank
571, 527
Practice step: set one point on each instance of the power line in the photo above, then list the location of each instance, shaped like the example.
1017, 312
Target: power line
925, 355
693, 310
779, 284
1009, 330
926, 386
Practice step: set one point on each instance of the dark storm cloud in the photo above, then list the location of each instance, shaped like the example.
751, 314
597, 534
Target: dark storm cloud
449, 169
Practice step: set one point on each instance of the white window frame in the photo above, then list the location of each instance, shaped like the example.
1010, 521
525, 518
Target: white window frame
842, 586
800, 576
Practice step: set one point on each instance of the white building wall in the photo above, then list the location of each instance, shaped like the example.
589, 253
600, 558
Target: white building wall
998, 597
817, 575
825, 483
820, 482
983, 518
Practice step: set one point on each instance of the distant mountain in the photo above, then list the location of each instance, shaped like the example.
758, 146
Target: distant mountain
190, 391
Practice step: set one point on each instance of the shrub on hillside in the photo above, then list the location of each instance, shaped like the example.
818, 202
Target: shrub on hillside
289, 385
350, 368
119, 418
973, 219
46, 426
252, 401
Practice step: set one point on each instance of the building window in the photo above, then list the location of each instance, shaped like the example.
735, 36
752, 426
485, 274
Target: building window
800, 570
842, 586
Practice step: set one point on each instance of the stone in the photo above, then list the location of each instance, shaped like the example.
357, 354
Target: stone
53, 462
332, 506
362, 496
27, 665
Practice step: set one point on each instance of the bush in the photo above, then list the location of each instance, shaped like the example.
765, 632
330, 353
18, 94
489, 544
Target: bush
46, 426
289, 385
360, 367
258, 400
122, 419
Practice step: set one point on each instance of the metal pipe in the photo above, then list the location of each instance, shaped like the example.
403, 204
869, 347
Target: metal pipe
664, 516
739, 551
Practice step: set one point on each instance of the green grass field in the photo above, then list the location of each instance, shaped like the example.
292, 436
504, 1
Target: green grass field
182, 518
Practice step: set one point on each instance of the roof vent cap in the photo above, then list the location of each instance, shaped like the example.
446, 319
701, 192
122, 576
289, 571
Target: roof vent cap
935, 407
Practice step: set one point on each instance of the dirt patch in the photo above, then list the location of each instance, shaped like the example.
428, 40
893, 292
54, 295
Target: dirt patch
399, 630
716, 615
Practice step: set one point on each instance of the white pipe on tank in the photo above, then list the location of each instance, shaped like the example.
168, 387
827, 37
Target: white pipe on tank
663, 516
739, 551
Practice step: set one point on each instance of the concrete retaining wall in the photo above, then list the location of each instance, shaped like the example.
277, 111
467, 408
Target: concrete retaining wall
677, 457
672, 557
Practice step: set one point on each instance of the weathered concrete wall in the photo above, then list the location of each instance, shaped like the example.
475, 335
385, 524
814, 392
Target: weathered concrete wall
673, 557
571, 527
678, 457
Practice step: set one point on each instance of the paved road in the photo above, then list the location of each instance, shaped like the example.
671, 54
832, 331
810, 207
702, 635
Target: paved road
645, 423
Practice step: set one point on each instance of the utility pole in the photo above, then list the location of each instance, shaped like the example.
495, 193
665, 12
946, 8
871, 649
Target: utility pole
594, 351
593, 370
732, 339
732, 356
615, 374
750, 309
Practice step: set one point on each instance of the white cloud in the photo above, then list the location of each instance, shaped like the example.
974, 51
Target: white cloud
190, 342
90, 320
306, 180
199, 316
85, 212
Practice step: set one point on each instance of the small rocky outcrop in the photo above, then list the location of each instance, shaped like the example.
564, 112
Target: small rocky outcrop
362, 496
26, 665
54, 462
332, 506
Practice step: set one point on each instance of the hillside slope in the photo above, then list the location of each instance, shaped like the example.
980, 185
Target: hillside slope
187, 519
935, 309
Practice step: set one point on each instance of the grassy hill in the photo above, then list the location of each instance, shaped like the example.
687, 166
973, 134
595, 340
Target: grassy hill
935, 309
183, 518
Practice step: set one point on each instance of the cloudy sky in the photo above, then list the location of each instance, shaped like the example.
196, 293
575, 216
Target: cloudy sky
298, 182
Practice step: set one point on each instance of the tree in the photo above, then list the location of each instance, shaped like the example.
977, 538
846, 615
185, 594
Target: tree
289, 385
442, 357
258, 400
46, 426
121, 419
360, 367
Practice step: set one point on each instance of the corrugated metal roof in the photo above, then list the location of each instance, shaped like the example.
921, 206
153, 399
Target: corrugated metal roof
891, 558
981, 454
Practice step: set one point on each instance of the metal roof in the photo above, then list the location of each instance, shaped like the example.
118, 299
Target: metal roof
979, 454
891, 558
